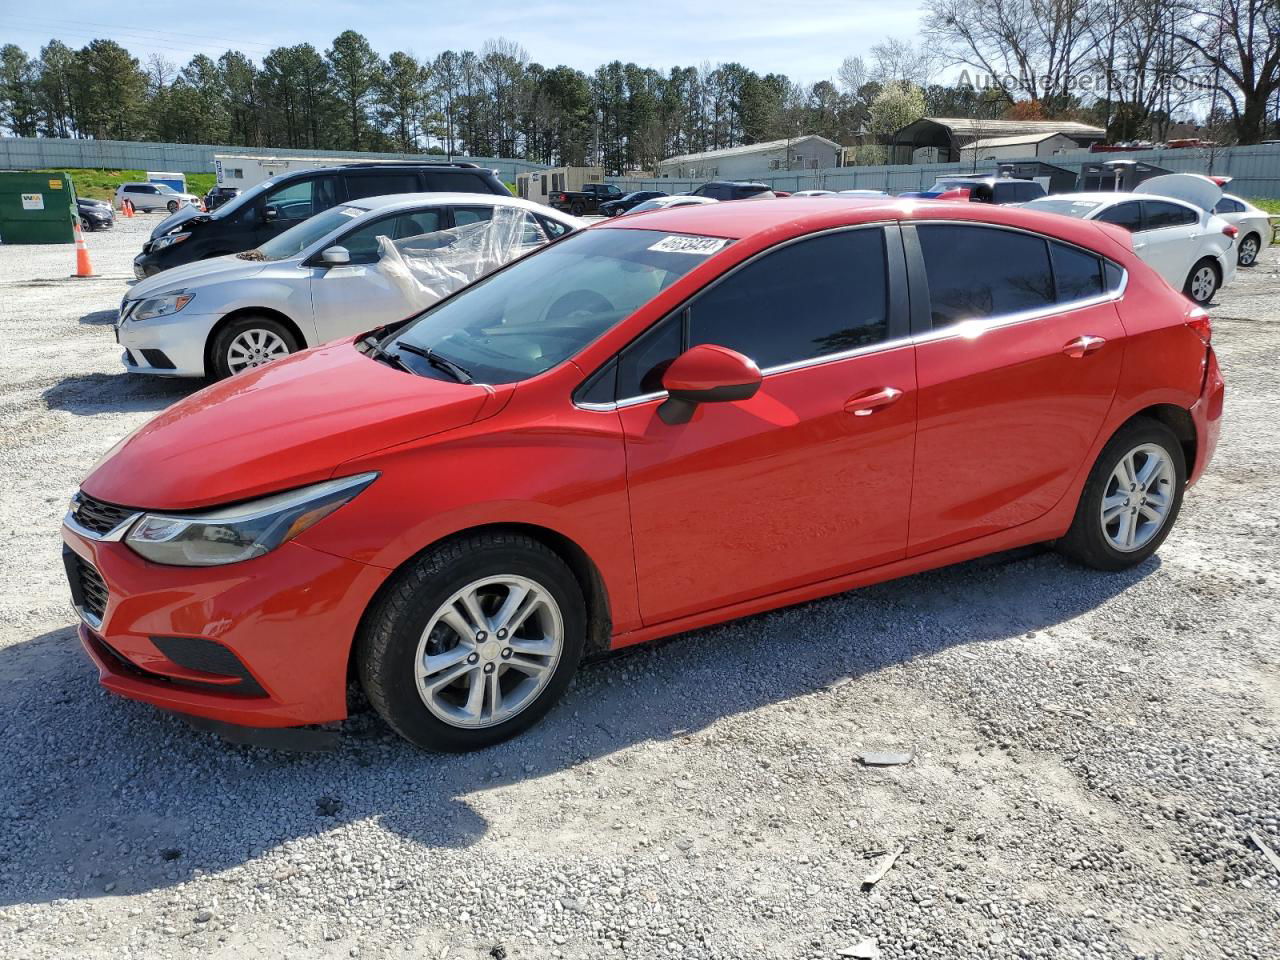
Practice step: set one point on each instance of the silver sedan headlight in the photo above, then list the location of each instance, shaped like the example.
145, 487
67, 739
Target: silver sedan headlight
242, 532
162, 306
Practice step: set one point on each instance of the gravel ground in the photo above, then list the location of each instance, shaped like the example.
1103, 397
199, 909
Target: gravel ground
1092, 751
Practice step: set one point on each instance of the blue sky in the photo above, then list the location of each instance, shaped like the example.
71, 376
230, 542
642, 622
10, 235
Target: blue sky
805, 39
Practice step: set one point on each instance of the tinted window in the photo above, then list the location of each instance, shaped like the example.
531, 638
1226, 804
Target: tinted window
416, 224
641, 365
822, 295
1112, 274
1076, 274
300, 199
1227, 205
362, 243
982, 272
465, 215
1160, 214
463, 182
1127, 215
381, 184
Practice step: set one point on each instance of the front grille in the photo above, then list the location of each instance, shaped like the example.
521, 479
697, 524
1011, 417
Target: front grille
88, 589
97, 516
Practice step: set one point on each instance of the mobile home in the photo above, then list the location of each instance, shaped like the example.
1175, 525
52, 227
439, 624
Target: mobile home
538, 185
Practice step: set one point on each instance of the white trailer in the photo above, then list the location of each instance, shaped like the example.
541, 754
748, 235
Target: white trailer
538, 185
233, 170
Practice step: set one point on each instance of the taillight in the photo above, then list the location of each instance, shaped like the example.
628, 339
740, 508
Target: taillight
1231, 230
1198, 321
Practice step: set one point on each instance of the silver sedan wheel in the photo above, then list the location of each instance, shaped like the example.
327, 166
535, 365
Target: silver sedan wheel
1248, 251
489, 651
253, 348
1137, 498
1203, 284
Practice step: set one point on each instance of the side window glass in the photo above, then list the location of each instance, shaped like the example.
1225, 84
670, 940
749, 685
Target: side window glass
977, 272
1127, 215
465, 215
362, 242
1076, 274
416, 224
819, 296
554, 228
641, 365
1160, 214
1112, 276
381, 184
292, 201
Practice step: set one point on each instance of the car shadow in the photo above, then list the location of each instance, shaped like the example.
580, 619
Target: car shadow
96, 393
110, 797
100, 318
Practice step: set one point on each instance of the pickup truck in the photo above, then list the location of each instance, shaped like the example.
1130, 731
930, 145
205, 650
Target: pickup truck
586, 200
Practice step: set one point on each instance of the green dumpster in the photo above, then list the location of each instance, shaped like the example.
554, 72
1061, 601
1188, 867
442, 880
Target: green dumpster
36, 208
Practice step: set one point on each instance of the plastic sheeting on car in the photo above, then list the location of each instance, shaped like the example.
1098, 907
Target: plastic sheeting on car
430, 266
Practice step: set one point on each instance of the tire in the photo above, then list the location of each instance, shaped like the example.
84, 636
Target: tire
172, 206
1092, 540
578, 210
259, 339
87, 225
404, 627
1202, 281
1247, 255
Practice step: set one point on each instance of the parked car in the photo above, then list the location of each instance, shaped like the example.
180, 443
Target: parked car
665, 203
1254, 226
612, 208
310, 284
149, 197
595, 446
217, 196
94, 214
998, 190
587, 200
281, 203
1174, 228
732, 190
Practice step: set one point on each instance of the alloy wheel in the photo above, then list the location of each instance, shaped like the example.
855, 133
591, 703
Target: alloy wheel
489, 650
1203, 283
1138, 497
1248, 251
253, 348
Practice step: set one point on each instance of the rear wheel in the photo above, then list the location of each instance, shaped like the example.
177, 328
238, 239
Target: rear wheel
473, 643
1247, 255
578, 210
250, 342
86, 225
1131, 499
1202, 281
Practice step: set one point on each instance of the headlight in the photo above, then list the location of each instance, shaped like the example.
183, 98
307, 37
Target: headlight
241, 532
162, 306
162, 243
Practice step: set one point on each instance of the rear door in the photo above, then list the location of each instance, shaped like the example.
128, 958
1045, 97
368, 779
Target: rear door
380, 183
1169, 239
810, 478
1011, 397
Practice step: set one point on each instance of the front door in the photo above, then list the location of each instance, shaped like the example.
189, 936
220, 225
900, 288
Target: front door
1015, 377
289, 204
809, 479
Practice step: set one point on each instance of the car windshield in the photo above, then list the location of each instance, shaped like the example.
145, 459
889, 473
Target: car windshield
293, 241
1064, 206
545, 308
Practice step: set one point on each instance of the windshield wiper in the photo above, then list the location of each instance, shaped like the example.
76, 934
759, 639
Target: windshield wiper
459, 373
377, 351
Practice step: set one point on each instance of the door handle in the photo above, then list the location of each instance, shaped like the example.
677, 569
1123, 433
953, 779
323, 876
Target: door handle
865, 404
1078, 347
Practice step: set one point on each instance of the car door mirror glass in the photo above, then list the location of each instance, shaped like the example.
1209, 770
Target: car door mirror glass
707, 373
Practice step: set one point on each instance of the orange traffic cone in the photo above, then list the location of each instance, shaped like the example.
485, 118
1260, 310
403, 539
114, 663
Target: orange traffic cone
126, 205
83, 267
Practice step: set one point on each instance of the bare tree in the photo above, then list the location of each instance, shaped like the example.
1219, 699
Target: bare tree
1239, 42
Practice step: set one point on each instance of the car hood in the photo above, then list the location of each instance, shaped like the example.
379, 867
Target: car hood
1191, 187
284, 425
217, 269
181, 216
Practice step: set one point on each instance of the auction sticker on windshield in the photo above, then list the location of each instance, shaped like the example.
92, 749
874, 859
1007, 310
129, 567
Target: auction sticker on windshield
698, 246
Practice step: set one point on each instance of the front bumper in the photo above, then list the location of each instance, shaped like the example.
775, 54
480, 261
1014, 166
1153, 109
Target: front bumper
166, 346
273, 635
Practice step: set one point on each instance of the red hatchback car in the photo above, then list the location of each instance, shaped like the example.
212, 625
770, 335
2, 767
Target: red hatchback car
663, 422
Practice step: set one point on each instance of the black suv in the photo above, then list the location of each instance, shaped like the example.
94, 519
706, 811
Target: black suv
732, 190
274, 206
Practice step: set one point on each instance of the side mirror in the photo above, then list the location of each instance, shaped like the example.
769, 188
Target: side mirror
334, 257
706, 373
270, 212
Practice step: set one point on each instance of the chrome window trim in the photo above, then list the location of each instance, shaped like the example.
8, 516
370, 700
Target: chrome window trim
963, 329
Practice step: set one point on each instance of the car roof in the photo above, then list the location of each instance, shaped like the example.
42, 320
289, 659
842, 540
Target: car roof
1112, 197
394, 201
772, 220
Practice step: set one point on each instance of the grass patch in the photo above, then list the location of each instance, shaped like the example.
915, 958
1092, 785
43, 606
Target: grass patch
101, 184
1269, 204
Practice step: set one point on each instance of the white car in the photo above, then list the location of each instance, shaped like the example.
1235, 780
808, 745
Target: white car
814, 193
353, 267
147, 197
662, 203
1173, 225
863, 193
1254, 226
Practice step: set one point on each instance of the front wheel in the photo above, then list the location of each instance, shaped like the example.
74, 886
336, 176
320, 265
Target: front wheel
250, 342
578, 210
1131, 499
172, 206
1202, 282
1247, 255
473, 642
